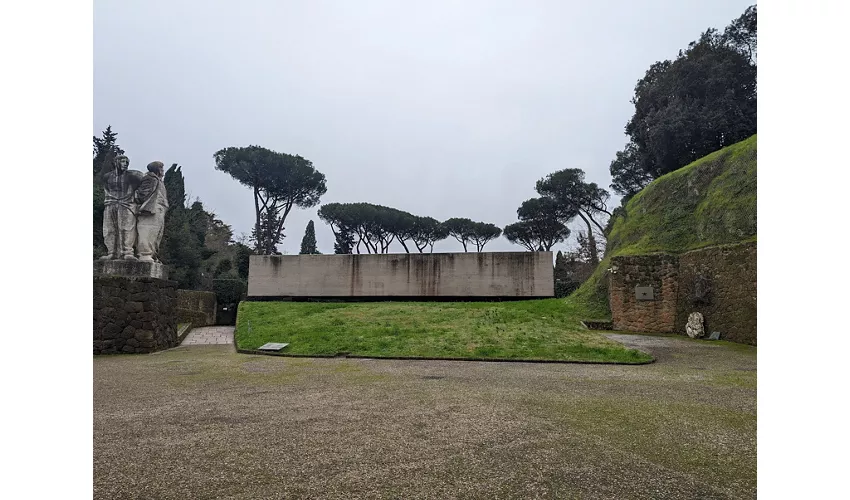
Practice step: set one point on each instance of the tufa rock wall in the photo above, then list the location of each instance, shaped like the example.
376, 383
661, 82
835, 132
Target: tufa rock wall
658, 271
719, 282
134, 315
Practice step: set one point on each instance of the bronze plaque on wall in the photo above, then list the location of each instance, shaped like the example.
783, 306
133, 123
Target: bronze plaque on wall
644, 293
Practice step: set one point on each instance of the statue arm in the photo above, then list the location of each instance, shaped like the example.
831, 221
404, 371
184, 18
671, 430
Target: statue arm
134, 178
145, 189
106, 168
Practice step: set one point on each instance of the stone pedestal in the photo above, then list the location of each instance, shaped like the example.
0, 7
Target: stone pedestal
134, 314
130, 269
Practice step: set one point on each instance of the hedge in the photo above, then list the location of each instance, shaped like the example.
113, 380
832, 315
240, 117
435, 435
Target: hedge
229, 291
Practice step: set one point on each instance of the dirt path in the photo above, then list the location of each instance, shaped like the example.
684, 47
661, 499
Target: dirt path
205, 422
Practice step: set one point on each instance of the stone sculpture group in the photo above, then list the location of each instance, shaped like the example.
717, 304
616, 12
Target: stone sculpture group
135, 207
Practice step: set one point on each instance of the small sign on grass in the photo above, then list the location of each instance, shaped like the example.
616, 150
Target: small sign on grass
273, 346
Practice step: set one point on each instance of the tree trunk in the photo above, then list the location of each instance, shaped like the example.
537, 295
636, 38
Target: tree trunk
257, 234
276, 237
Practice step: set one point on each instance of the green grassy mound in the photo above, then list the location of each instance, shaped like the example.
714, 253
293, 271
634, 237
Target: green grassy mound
522, 330
710, 202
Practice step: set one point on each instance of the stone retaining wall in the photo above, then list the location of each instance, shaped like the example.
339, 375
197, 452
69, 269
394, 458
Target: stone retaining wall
134, 315
657, 315
196, 307
719, 282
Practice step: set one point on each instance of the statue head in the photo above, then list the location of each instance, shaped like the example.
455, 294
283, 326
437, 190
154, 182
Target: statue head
157, 168
122, 163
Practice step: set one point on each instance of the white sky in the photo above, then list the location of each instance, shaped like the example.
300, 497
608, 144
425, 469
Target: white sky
443, 109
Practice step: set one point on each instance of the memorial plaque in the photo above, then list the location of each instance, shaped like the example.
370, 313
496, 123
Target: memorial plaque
644, 293
273, 346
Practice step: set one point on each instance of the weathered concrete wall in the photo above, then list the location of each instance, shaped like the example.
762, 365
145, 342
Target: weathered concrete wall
196, 307
134, 315
719, 282
627, 312
490, 274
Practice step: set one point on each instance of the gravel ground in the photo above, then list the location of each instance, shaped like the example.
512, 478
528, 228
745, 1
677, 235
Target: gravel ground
205, 422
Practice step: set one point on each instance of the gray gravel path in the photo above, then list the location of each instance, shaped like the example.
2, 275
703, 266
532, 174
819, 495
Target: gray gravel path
205, 422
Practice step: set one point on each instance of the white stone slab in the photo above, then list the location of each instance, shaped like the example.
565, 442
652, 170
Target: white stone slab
273, 346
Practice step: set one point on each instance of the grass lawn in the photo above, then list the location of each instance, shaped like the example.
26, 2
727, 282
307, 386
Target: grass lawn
533, 330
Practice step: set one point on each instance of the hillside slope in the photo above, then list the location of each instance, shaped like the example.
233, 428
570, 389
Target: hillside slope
712, 201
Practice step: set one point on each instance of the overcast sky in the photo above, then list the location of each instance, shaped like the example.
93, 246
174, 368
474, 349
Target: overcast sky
440, 108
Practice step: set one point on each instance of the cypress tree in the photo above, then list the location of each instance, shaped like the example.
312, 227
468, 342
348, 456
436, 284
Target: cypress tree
308, 244
104, 149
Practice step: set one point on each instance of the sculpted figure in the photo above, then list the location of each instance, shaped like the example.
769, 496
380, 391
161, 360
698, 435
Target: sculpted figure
119, 216
153, 203
695, 328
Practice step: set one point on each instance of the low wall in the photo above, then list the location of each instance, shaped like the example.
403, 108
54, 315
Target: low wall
719, 282
196, 307
443, 275
134, 315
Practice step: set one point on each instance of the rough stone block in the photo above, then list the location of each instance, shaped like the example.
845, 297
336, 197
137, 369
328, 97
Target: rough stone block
111, 331
695, 328
133, 307
144, 335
